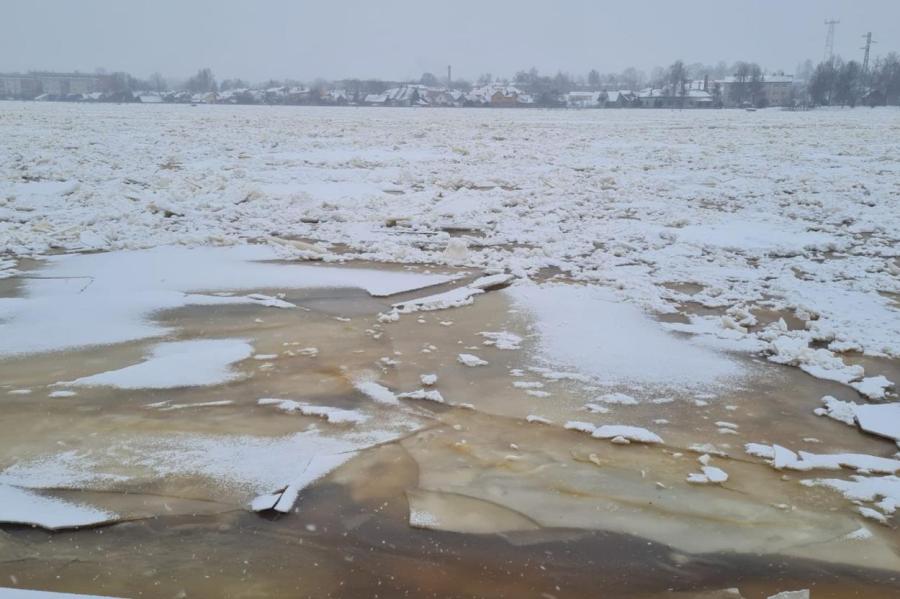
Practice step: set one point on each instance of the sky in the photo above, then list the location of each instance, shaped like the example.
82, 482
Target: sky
400, 39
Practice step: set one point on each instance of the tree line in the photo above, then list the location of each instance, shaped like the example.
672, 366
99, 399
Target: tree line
830, 83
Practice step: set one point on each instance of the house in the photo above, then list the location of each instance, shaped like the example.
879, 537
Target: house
504, 97
297, 95
585, 99
621, 99
150, 98
336, 96
375, 100
205, 98
405, 95
687, 96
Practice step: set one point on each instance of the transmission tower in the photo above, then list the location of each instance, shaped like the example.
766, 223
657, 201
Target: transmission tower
867, 47
829, 40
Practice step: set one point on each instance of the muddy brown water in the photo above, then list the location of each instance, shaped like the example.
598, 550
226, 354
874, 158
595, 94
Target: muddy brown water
551, 513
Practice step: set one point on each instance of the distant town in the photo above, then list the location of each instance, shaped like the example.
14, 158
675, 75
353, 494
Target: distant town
696, 86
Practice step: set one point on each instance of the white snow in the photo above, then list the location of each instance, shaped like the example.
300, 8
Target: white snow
617, 398
783, 458
589, 329
878, 419
17, 593
501, 339
176, 364
612, 431
377, 392
331, 414
21, 506
881, 419
102, 298
426, 394
245, 463
471, 360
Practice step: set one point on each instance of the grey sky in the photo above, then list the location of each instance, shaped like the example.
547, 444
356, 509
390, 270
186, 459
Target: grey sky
395, 39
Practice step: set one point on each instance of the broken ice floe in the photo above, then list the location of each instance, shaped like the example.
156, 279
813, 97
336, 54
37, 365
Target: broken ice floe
615, 432
455, 298
501, 339
377, 392
426, 394
878, 419
18, 593
23, 506
332, 415
103, 298
176, 364
470, 360
823, 364
782, 458
588, 329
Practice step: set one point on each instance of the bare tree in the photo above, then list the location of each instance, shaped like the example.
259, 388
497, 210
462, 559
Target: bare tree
157, 82
202, 82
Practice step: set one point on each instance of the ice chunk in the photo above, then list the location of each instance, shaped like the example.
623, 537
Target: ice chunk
457, 251
427, 394
332, 415
873, 387
632, 433
501, 339
379, 393
842, 411
804, 594
883, 420
617, 398
428, 379
471, 360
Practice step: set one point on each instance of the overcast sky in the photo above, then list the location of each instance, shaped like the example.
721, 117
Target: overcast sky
396, 39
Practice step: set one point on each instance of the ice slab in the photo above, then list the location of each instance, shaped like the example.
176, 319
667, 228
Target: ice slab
16, 593
588, 329
881, 419
177, 364
22, 506
460, 513
95, 299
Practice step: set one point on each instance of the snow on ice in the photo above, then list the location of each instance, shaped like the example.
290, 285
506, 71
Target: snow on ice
176, 364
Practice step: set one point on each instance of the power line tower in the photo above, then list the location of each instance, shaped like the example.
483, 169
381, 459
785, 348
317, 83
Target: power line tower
867, 47
829, 40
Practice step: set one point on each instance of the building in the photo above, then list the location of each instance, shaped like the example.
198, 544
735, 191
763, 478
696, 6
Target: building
28, 86
588, 99
621, 98
773, 90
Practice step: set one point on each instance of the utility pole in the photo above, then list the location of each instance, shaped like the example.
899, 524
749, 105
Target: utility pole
450, 78
867, 47
829, 40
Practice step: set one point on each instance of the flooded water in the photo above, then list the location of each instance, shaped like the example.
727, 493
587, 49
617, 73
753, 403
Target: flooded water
458, 499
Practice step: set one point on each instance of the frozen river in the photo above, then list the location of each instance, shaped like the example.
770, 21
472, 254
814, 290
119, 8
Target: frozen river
341, 350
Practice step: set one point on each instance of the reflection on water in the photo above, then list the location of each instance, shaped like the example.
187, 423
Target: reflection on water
499, 506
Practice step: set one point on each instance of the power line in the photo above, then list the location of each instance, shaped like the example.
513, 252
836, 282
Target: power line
829, 40
867, 47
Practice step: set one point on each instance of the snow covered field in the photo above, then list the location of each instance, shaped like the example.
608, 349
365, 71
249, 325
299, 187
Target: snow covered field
696, 306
